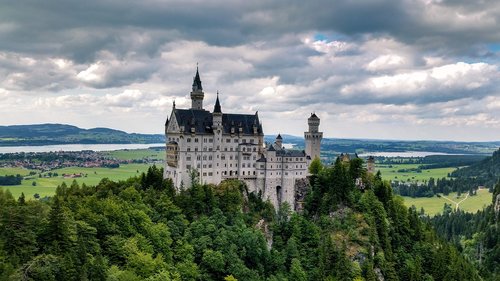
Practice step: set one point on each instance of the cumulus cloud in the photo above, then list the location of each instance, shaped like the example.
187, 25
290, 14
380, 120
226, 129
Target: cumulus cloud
376, 67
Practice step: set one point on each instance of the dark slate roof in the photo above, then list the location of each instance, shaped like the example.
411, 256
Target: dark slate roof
290, 153
262, 159
279, 137
197, 82
314, 116
202, 121
217, 108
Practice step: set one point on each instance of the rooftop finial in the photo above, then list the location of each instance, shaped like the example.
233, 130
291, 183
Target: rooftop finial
174, 104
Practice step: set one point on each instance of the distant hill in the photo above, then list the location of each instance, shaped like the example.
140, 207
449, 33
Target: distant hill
486, 172
47, 134
338, 146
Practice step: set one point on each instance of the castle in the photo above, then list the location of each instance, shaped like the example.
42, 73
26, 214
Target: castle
217, 146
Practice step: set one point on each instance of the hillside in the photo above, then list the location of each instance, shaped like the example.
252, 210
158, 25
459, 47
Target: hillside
485, 172
141, 229
47, 134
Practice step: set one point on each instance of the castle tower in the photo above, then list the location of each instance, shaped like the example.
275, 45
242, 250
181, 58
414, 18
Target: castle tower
279, 141
370, 165
197, 94
313, 137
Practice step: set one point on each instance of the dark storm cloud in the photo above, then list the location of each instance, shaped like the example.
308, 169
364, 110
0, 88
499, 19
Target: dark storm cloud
79, 29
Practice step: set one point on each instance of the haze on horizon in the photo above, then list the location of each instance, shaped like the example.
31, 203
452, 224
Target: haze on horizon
376, 69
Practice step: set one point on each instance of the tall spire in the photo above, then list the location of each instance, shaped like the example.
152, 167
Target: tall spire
197, 81
217, 108
197, 93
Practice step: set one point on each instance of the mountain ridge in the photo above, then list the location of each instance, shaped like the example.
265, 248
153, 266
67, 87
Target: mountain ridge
52, 133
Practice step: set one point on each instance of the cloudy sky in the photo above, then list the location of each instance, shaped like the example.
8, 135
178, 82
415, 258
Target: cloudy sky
382, 69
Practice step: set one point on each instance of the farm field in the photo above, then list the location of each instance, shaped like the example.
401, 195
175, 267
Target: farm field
434, 205
391, 172
137, 154
46, 186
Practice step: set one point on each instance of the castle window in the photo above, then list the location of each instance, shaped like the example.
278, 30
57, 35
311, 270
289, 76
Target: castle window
210, 174
210, 165
228, 140
251, 141
243, 172
198, 157
188, 167
210, 157
196, 140
195, 149
223, 157
188, 139
210, 140
204, 174
235, 140
254, 149
254, 173
188, 158
198, 166
204, 165
189, 149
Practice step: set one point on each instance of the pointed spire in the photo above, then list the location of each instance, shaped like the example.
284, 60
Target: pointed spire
217, 108
197, 81
173, 106
279, 137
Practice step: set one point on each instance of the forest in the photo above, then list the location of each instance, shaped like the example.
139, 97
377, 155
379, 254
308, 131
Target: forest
143, 229
483, 173
477, 235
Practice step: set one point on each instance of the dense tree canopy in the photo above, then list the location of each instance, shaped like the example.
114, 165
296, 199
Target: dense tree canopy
352, 228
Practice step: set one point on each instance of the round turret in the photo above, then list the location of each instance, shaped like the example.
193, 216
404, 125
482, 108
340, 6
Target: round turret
313, 123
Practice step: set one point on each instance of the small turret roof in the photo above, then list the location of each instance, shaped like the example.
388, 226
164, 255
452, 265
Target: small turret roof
217, 108
313, 116
279, 137
197, 81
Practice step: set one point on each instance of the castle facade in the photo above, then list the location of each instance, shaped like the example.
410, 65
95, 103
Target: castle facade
217, 145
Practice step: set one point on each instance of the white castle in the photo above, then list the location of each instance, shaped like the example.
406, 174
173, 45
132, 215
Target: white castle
218, 146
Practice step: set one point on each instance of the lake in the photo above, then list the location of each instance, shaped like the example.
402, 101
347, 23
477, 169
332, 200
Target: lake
77, 147
404, 154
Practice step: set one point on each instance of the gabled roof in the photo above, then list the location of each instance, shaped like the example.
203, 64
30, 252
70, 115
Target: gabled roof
202, 121
290, 153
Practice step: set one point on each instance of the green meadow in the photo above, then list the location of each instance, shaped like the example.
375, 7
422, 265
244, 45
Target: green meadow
46, 186
137, 154
393, 172
434, 205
